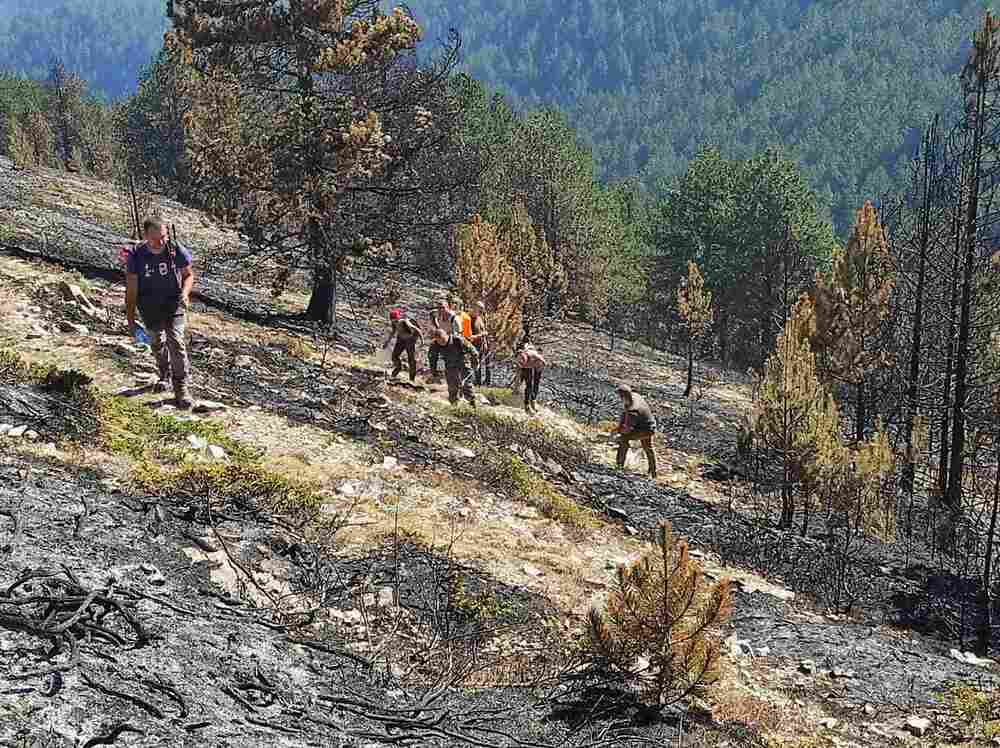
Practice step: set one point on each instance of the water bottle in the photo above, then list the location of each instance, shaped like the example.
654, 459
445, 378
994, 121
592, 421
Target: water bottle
141, 338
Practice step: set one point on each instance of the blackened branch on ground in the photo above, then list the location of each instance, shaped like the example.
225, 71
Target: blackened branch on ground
53, 605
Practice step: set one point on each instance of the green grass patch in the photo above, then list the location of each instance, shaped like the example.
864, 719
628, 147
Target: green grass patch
131, 429
243, 485
511, 474
502, 430
977, 709
502, 396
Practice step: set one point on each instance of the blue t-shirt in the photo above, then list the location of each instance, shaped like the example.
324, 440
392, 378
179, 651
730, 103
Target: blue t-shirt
159, 277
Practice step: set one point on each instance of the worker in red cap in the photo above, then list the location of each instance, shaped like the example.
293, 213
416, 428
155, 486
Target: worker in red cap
407, 333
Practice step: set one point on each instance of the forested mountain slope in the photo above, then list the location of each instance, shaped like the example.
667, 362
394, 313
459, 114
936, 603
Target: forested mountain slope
106, 42
842, 86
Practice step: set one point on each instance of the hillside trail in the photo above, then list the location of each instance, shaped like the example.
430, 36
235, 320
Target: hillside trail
403, 465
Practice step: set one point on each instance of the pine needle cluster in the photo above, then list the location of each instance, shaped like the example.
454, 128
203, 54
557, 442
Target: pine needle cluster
660, 629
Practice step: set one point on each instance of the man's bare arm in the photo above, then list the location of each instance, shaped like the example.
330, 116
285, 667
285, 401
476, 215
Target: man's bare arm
131, 297
187, 283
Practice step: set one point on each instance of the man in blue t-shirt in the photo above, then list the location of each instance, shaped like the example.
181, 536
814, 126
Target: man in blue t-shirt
159, 282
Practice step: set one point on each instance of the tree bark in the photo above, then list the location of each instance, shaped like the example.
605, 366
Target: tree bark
690, 371
957, 462
916, 346
861, 415
949, 364
323, 302
986, 627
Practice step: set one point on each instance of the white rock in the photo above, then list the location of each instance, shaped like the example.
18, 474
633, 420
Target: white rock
386, 597
869, 710
828, 723
390, 463
17, 432
807, 666
349, 488
67, 326
918, 726
196, 441
464, 452
533, 571
244, 362
554, 466
72, 292
4, 428
209, 406
216, 452
353, 616
738, 647
971, 659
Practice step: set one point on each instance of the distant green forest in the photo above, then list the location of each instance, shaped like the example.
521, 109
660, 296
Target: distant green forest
106, 42
843, 87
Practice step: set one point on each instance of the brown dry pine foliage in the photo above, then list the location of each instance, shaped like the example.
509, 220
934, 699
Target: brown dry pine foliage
535, 262
852, 303
284, 123
660, 630
485, 274
694, 304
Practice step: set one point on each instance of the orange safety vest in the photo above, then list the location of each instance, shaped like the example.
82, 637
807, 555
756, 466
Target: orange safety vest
466, 325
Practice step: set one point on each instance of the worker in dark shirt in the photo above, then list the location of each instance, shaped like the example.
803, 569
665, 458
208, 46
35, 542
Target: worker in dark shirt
636, 424
407, 333
460, 358
159, 279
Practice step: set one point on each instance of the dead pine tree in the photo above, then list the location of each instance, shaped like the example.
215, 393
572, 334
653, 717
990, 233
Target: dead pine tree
67, 92
535, 262
980, 86
694, 305
852, 303
913, 258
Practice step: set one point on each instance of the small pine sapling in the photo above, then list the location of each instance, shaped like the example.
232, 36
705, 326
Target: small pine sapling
694, 304
660, 629
793, 415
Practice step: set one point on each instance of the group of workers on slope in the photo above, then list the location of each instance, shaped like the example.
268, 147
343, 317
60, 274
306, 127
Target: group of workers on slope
461, 339
160, 278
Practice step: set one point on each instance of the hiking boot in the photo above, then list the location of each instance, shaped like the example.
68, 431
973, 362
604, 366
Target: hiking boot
182, 396
162, 385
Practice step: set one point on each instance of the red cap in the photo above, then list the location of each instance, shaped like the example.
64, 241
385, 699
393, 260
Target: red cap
395, 315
